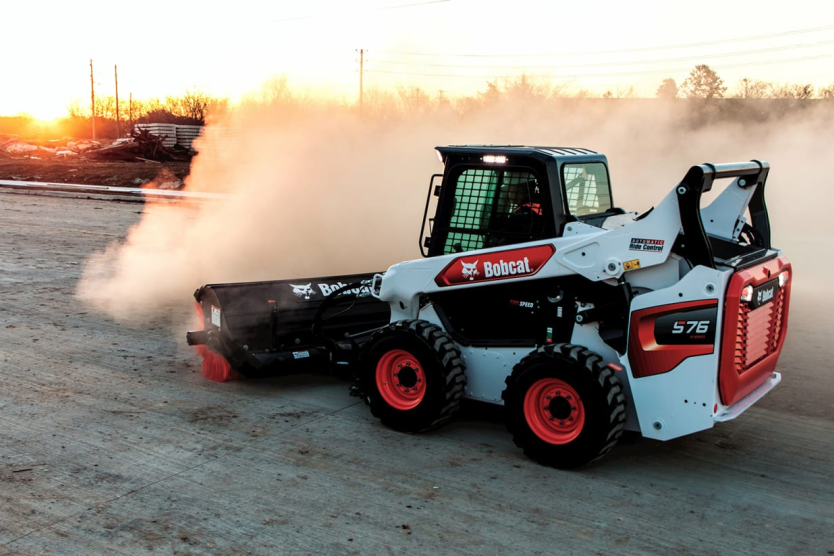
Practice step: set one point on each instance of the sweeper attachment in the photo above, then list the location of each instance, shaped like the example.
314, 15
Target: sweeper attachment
537, 293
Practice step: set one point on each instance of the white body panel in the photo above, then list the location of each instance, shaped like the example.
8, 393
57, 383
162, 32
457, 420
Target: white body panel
723, 217
680, 401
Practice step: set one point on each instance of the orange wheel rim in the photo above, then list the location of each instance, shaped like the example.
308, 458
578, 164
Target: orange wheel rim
554, 411
400, 379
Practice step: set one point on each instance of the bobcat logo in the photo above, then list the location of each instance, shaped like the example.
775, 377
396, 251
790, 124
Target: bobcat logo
303, 291
470, 270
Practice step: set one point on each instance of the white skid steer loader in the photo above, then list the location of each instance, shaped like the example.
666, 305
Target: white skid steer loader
538, 294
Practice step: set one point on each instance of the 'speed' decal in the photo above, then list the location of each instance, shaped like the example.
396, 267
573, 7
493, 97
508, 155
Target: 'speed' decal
500, 265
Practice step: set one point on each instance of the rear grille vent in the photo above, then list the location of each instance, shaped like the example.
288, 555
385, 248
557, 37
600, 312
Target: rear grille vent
758, 332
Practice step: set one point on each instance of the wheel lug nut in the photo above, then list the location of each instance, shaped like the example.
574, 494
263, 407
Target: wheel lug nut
573, 408
561, 422
398, 385
396, 374
558, 392
548, 397
551, 418
570, 418
567, 397
399, 365
419, 380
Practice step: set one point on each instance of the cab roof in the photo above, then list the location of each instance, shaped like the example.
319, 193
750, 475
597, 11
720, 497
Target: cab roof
514, 150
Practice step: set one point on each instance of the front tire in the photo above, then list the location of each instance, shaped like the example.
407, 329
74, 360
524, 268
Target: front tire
565, 408
413, 376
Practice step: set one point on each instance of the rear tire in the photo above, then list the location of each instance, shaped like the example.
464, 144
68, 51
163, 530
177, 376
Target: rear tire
564, 406
413, 376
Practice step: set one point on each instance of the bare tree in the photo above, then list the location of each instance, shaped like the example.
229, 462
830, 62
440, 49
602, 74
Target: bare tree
752, 88
276, 91
621, 91
194, 104
78, 109
703, 82
803, 91
668, 89
827, 92
106, 107
414, 99
792, 90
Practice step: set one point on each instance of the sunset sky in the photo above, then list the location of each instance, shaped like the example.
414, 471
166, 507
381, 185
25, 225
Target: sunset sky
454, 46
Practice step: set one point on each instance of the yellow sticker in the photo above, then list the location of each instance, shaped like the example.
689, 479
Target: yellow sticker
632, 265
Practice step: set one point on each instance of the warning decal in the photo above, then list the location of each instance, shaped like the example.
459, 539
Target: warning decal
631, 265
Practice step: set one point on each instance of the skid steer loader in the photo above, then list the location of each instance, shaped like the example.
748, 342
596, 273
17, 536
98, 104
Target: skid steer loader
537, 293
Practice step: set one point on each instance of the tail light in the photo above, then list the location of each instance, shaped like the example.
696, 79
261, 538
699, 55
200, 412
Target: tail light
746, 294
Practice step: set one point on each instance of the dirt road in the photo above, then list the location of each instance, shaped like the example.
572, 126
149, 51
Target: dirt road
111, 442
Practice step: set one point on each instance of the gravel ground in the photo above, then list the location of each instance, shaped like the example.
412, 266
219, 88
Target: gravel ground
111, 442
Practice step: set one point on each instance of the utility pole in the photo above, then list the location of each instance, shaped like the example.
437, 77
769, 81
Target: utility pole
130, 111
118, 122
361, 77
93, 99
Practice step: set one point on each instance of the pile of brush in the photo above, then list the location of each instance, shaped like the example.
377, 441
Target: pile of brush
142, 145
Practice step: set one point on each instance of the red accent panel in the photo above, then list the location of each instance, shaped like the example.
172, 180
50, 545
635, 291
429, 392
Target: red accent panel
647, 358
752, 340
499, 265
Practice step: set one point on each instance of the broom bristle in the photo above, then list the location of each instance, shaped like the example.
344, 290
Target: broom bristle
215, 367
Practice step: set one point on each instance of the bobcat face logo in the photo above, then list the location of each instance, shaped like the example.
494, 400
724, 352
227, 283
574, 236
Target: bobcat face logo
470, 270
303, 291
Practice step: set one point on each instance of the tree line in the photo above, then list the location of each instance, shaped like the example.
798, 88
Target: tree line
191, 108
704, 83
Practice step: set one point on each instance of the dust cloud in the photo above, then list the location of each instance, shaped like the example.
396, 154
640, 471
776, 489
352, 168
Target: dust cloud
315, 189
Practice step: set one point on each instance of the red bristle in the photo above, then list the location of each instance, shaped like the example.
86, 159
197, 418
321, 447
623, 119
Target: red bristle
215, 367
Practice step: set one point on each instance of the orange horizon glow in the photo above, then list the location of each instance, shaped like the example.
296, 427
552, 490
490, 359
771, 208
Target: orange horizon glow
445, 47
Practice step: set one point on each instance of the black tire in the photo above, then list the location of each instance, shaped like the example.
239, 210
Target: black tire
564, 406
430, 393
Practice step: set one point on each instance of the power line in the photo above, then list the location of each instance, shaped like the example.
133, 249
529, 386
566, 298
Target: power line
614, 74
377, 9
619, 63
641, 49
410, 5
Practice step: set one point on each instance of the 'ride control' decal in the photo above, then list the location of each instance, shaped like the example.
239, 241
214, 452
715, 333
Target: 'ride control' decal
647, 245
500, 265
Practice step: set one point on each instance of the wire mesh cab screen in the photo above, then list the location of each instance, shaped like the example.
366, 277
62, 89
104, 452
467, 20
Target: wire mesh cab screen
587, 190
494, 207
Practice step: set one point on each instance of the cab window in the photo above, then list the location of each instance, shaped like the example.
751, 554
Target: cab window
494, 207
587, 190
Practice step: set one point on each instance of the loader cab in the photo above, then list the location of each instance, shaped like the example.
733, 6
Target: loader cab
493, 196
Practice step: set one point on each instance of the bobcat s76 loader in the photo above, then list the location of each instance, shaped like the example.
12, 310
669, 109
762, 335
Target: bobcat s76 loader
537, 293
